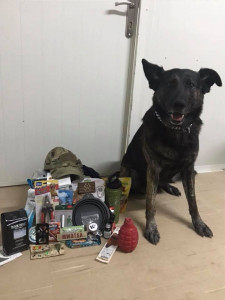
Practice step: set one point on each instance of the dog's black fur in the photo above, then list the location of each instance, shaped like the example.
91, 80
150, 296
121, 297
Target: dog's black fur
167, 142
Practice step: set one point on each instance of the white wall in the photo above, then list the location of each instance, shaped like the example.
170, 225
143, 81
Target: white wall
63, 77
185, 34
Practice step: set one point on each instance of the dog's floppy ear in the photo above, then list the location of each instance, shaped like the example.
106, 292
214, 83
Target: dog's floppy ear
209, 77
153, 73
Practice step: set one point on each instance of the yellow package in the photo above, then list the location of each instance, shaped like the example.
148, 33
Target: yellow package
126, 185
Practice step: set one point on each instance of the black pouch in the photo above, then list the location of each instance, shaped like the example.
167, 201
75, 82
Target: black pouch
14, 231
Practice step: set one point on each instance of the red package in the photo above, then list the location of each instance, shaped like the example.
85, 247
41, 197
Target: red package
54, 229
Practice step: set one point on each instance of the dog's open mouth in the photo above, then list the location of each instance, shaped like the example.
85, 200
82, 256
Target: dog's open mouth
177, 118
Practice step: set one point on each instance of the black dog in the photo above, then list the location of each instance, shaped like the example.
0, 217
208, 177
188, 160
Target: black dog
167, 142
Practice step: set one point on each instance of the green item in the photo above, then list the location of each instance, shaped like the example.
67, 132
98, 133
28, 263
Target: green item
62, 162
72, 229
113, 193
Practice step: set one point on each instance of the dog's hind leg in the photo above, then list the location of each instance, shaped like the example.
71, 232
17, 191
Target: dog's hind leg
138, 184
188, 180
125, 172
170, 189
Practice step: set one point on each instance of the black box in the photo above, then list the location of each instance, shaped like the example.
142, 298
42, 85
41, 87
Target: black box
14, 231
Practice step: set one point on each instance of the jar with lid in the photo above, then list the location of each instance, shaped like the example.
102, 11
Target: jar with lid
107, 231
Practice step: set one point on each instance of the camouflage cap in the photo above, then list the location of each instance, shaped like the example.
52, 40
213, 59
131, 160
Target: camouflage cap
62, 162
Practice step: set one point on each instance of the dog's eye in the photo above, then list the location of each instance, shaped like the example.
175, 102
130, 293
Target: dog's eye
190, 84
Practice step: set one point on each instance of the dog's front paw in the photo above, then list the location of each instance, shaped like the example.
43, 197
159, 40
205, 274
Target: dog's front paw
152, 234
202, 229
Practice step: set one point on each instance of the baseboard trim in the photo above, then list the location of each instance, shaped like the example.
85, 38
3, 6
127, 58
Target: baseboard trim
210, 168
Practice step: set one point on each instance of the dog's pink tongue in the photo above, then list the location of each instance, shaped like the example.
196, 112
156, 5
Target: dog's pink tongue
177, 117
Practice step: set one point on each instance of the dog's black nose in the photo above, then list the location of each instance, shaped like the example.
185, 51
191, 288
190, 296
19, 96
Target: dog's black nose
179, 105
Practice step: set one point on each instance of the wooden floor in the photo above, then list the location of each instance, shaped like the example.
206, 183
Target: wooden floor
182, 266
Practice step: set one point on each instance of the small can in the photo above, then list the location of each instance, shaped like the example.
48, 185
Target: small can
107, 231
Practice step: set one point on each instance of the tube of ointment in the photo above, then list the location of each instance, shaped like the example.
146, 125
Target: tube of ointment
109, 248
63, 221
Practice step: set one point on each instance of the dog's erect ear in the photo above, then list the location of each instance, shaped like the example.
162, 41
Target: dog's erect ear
153, 73
209, 77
